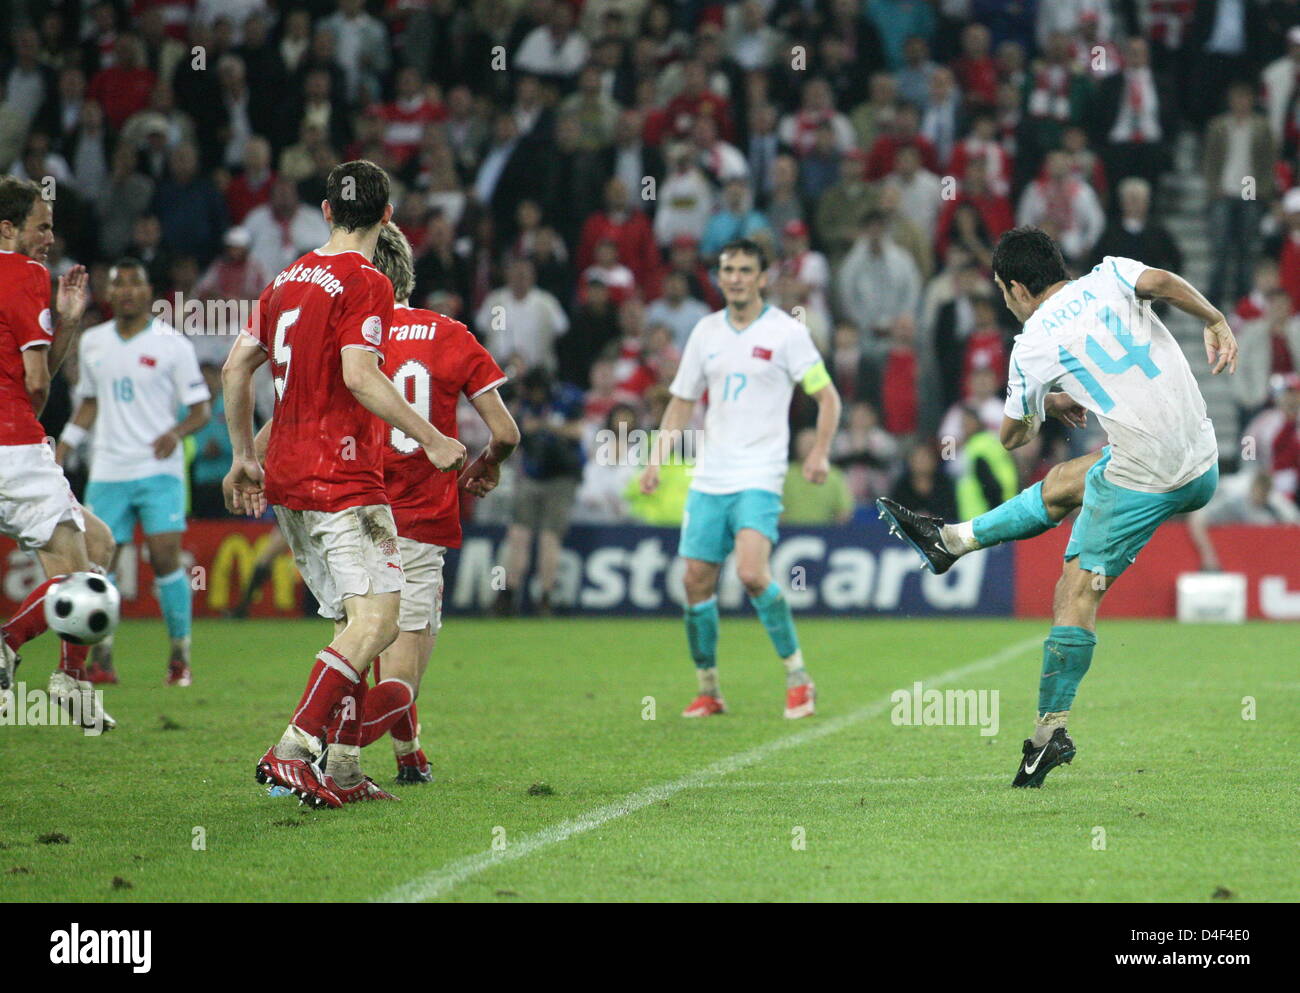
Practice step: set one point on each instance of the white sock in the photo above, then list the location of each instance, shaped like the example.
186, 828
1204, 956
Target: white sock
1045, 727
959, 538
344, 765
708, 680
296, 743
795, 673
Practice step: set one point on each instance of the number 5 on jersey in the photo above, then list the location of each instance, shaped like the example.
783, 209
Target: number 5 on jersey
281, 353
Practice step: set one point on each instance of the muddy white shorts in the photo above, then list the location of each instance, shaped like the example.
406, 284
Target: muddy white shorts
34, 496
343, 553
422, 594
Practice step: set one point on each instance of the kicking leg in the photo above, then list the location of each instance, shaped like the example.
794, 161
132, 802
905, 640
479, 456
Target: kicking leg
1029, 513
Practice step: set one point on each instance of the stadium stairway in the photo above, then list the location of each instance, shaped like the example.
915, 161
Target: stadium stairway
1184, 202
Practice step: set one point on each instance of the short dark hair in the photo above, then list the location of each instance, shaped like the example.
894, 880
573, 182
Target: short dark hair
128, 262
17, 198
746, 246
1028, 256
357, 192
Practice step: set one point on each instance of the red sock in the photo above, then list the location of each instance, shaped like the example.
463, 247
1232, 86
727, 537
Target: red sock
404, 728
29, 620
386, 703
344, 727
72, 659
332, 678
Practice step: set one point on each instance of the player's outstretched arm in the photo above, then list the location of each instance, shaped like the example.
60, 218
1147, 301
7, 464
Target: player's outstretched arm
242, 486
676, 416
483, 474
1220, 344
376, 392
74, 432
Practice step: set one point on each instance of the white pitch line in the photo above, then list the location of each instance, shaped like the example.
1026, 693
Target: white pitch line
443, 880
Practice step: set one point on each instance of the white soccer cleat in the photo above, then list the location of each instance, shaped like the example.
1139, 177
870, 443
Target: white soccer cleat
8, 667
79, 699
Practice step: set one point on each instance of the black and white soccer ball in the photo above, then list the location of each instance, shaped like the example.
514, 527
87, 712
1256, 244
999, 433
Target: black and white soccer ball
83, 609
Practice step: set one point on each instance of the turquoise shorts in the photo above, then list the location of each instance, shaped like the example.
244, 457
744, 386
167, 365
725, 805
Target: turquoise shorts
1115, 523
711, 521
158, 502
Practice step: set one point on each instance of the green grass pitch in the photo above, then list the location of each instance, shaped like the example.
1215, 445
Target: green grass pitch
553, 785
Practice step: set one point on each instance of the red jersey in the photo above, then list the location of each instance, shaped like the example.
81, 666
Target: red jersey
25, 321
432, 360
326, 450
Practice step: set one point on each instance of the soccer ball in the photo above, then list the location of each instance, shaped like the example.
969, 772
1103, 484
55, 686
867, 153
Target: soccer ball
83, 609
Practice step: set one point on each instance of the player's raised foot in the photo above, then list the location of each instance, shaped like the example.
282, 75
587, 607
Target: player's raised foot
705, 705
800, 701
1036, 763
81, 700
364, 790
296, 775
413, 769
923, 533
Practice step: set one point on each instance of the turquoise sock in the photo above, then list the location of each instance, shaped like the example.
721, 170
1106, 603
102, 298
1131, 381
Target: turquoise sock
1023, 516
702, 632
774, 612
1067, 654
175, 595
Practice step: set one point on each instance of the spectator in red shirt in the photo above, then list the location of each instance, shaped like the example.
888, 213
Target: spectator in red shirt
124, 88
994, 210
982, 144
406, 116
899, 404
252, 187
905, 131
628, 229
697, 99
977, 73
1289, 263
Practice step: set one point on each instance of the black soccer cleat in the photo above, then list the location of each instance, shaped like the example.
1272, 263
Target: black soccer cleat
925, 534
411, 775
1036, 763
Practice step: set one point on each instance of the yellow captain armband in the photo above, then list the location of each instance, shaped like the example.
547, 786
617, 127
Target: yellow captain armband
815, 378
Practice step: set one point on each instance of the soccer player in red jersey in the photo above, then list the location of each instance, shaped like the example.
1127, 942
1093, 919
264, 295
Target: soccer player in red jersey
321, 323
37, 507
433, 360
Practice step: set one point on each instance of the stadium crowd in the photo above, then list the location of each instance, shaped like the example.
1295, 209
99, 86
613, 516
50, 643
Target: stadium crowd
567, 171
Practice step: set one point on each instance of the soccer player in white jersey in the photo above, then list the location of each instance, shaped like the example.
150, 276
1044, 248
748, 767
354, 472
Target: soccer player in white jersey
136, 373
1089, 344
748, 357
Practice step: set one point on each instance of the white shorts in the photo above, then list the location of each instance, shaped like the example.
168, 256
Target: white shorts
422, 594
343, 553
35, 497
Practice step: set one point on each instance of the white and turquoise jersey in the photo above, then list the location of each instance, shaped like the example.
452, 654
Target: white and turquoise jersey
139, 384
1103, 346
750, 376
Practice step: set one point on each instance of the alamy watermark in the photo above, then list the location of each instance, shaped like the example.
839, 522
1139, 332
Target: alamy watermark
640, 447
23, 707
919, 707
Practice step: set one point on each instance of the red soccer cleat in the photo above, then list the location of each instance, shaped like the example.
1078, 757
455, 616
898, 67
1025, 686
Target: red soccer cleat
799, 701
297, 776
705, 705
95, 673
178, 674
364, 790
